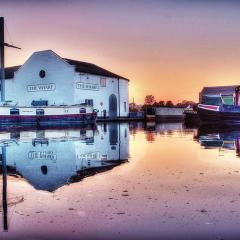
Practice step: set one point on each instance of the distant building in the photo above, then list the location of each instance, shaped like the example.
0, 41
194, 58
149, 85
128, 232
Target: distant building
46, 78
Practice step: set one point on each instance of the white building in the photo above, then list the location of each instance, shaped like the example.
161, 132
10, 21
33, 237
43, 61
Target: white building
46, 78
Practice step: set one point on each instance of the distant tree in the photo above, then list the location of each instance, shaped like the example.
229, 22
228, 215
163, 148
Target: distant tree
155, 104
169, 104
161, 104
179, 105
185, 104
149, 100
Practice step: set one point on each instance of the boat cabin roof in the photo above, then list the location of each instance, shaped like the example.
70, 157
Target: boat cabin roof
223, 90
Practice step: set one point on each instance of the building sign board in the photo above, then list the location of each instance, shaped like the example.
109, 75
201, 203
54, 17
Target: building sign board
89, 156
41, 87
87, 86
45, 155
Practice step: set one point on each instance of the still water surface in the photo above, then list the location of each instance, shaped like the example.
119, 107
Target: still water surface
121, 181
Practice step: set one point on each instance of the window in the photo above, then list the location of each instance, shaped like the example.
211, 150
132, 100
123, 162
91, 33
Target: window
44, 169
39, 112
36, 103
82, 110
211, 100
125, 107
42, 74
89, 102
14, 111
103, 82
228, 99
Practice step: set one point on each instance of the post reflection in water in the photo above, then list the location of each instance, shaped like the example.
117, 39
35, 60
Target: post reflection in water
49, 159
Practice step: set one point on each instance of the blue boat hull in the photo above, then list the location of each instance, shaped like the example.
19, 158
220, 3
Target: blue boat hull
224, 115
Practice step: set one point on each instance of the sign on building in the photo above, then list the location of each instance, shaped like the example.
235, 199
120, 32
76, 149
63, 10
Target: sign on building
41, 87
87, 86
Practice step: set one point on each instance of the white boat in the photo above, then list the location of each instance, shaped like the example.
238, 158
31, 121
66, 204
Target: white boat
46, 115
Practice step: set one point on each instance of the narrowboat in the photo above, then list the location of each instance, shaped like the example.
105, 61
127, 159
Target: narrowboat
219, 105
46, 115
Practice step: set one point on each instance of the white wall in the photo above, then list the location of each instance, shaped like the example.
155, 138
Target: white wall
66, 153
101, 96
65, 80
124, 97
58, 72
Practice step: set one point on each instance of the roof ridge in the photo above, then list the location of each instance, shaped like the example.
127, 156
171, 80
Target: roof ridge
92, 69
80, 66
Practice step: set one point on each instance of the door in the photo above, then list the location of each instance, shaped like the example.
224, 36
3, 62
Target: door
112, 106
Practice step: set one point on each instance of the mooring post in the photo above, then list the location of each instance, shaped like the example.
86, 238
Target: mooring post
2, 71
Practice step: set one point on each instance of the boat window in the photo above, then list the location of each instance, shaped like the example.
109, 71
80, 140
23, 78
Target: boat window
14, 111
212, 100
39, 103
82, 110
39, 111
228, 99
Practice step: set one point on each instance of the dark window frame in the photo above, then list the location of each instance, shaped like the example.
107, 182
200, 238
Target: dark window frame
14, 111
40, 112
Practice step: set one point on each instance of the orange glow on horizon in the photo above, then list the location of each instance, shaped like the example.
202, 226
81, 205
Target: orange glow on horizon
165, 49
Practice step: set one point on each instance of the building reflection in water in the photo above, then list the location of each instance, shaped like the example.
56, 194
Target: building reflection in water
219, 137
48, 159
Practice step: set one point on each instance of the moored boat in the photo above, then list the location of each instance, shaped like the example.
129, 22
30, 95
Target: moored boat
220, 105
46, 115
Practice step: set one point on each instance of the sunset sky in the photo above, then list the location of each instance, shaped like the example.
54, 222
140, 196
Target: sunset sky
170, 49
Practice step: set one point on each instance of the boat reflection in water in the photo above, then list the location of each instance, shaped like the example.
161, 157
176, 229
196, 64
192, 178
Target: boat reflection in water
219, 137
48, 159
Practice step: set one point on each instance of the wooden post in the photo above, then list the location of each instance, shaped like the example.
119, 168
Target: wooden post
4, 189
2, 71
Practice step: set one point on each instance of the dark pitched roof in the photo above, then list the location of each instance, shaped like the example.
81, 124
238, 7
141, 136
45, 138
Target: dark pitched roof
83, 67
218, 90
90, 68
9, 71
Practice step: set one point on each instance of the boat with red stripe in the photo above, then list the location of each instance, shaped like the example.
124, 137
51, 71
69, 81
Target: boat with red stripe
47, 115
220, 105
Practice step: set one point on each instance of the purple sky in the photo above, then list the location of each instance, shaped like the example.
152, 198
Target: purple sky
170, 49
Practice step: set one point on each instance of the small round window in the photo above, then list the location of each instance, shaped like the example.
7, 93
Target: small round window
42, 74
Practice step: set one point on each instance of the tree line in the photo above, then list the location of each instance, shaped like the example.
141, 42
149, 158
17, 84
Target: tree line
150, 101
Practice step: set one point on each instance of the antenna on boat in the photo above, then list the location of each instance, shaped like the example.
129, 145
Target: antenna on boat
2, 45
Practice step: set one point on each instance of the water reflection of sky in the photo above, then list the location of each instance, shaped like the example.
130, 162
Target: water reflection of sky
172, 187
